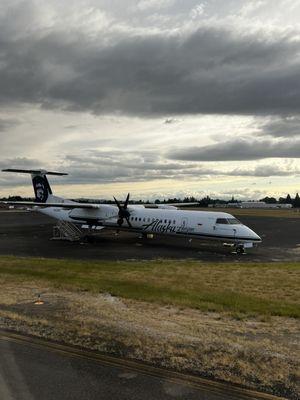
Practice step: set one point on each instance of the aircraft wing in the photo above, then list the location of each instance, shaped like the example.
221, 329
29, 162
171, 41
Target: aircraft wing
165, 205
196, 203
58, 205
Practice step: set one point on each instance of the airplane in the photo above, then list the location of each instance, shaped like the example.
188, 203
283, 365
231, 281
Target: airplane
163, 219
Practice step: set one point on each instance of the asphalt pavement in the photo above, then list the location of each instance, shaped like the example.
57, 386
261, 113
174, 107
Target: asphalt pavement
30, 370
29, 234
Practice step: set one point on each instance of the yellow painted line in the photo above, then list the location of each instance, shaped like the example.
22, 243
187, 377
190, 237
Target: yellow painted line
195, 382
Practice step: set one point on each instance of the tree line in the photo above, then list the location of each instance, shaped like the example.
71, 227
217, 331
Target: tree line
203, 202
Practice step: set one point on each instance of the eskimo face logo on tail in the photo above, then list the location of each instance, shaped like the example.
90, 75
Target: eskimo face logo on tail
40, 189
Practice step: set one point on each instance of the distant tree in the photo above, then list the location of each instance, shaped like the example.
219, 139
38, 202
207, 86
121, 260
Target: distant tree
190, 199
296, 202
285, 200
233, 200
269, 200
205, 201
15, 198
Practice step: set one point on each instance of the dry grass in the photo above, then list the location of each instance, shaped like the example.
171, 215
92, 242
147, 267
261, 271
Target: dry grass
261, 353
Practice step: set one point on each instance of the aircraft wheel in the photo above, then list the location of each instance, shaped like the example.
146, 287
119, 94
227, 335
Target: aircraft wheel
240, 249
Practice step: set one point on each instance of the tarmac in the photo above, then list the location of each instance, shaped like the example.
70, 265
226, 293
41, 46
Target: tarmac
32, 369
25, 233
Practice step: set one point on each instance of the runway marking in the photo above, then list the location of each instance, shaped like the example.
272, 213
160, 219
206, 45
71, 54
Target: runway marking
195, 382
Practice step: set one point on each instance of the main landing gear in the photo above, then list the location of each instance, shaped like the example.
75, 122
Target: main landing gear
146, 236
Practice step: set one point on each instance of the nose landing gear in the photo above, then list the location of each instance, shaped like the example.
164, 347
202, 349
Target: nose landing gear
236, 248
240, 249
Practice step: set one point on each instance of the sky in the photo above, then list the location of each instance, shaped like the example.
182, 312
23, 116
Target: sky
159, 98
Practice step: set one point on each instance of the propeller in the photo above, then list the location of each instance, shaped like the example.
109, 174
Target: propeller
123, 212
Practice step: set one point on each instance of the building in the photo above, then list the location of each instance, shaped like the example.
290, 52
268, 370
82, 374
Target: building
258, 204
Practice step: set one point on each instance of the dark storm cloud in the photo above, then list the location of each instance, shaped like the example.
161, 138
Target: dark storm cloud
207, 71
239, 150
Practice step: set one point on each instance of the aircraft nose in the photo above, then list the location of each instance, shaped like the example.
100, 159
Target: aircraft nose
252, 235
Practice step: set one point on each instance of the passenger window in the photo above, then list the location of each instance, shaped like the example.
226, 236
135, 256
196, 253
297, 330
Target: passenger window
148, 219
165, 221
174, 222
136, 218
140, 219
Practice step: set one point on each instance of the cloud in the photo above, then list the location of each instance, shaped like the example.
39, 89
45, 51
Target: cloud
131, 78
197, 11
238, 150
6, 124
286, 126
10, 179
170, 121
102, 167
117, 166
146, 5
19, 162
265, 170
210, 69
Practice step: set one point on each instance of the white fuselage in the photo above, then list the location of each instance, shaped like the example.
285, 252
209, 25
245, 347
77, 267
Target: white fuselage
192, 224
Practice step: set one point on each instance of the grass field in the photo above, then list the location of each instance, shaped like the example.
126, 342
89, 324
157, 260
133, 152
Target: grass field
251, 289
156, 312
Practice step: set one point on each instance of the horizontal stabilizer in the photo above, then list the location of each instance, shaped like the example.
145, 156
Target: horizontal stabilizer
57, 205
34, 171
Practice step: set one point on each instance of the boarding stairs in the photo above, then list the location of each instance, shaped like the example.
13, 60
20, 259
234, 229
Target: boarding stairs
64, 230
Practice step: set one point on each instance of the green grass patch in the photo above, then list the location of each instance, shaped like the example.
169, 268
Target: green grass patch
250, 288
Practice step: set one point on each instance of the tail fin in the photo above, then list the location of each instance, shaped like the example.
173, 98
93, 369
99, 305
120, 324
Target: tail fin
42, 189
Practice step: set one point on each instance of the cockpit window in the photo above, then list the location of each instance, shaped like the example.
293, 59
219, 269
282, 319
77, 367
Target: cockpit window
226, 221
234, 221
222, 221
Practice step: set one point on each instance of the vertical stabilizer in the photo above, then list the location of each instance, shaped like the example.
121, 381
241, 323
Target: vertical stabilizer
41, 186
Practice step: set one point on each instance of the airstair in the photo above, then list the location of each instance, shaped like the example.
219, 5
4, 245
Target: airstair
64, 230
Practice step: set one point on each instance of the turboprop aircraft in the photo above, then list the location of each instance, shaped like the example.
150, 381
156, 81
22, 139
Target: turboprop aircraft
164, 219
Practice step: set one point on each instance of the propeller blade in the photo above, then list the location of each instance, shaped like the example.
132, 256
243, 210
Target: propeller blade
123, 212
117, 203
120, 221
126, 201
128, 222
